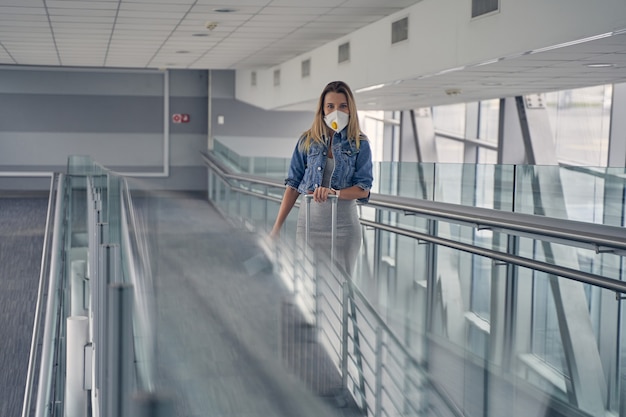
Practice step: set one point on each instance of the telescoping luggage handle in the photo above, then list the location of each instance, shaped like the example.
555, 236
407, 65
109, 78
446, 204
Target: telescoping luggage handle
348, 300
333, 223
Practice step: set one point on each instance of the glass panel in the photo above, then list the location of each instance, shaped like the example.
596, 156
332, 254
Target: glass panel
571, 193
487, 156
488, 186
373, 126
580, 120
450, 119
450, 150
489, 121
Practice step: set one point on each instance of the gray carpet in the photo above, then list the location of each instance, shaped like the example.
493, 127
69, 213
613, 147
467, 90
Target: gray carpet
22, 223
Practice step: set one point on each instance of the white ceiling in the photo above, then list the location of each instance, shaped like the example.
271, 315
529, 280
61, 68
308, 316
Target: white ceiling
174, 34
561, 67
264, 33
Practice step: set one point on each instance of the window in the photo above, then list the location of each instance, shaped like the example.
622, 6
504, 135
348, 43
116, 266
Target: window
276, 78
306, 68
481, 7
400, 30
344, 52
580, 121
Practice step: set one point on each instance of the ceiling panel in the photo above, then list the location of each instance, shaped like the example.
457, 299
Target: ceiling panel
265, 33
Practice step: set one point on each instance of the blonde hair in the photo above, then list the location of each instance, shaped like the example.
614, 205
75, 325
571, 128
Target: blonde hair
319, 129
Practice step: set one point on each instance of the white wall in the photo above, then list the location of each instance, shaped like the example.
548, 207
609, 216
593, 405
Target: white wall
442, 36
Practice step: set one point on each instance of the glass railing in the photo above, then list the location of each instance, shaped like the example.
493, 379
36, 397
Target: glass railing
480, 290
98, 340
271, 167
589, 194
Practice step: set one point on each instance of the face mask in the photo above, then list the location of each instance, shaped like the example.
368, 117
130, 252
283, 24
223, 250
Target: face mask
337, 120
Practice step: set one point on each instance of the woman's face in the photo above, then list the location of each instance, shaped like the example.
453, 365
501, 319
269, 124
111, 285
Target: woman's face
335, 101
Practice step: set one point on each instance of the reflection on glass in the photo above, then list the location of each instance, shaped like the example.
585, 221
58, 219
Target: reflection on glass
488, 121
450, 118
580, 121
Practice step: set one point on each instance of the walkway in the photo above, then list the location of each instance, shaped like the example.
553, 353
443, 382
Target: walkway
220, 316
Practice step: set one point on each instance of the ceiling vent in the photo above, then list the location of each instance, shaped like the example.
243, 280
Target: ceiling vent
276, 78
306, 68
344, 52
400, 30
483, 7
253, 78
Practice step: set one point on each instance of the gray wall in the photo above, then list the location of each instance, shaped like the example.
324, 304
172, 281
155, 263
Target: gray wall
242, 119
114, 116
117, 118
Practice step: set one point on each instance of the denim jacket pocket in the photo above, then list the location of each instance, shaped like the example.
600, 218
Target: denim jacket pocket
314, 166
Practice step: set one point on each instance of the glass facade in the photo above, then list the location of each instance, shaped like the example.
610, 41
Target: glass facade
580, 122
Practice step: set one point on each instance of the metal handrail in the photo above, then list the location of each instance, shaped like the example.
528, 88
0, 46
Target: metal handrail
585, 277
128, 217
39, 306
598, 237
46, 351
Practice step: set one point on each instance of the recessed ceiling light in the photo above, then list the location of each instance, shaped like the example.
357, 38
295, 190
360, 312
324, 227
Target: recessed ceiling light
370, 88
225, 10
600, 65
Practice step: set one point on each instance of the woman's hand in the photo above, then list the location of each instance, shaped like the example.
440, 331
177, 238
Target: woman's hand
321, 194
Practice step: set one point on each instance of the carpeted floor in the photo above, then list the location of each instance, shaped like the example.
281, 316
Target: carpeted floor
22, 224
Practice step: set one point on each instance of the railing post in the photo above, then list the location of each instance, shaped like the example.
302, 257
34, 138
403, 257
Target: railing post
333, 231
77, 337
305, 251
108, 265
120, 350
344, 337
79, 302
378, 408
317, 296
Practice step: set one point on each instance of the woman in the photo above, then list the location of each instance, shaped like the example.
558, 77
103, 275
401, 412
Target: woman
333, 157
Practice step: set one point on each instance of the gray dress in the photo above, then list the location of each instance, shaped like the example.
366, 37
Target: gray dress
349, 233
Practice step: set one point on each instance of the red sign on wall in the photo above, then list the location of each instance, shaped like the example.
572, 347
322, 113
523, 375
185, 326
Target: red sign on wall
180, 118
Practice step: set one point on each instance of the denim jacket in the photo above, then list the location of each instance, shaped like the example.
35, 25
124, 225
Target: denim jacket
352, 166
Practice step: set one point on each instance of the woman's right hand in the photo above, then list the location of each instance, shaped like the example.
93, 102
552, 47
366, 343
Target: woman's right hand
321, 194
275, 234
